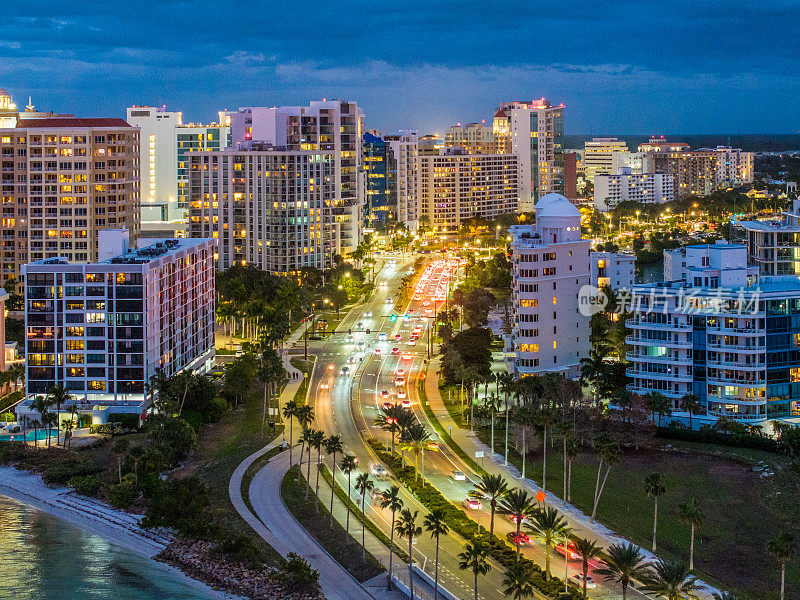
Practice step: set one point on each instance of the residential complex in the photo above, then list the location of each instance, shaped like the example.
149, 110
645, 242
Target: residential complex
616, 270
722, 333
647, 188
65, 179
550, 269
102, 329
272, 208
598, 154
332, 126
455, 187
473, 138
405, 150
774, 245
165, 144
534, 132
380, 168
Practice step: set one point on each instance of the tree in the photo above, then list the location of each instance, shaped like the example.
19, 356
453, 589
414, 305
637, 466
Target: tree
304, 416
474, 557
587, 549
654, 487
519, 506
593, 367
659, 404
298, 575
549, 525
72, 422
120, 448
348, 465
492, 487
407, 528
39, 404
393, 502
333, 445
289, 412
623, 563
545, 418
317, 441
363, 485
725, 596
305, 440
691, 404
783, 547
573, 449
57, 396
609, 454
415, 436
671, 579
435, 524
691, 513
518, 582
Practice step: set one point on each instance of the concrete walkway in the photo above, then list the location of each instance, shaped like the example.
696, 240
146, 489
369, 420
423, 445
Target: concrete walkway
469, 442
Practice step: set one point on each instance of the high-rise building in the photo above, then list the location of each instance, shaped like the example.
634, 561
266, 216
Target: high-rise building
333, 126
534, 132
455, 187
102, 329
635, 161
405, 150
616, 270
380, 168
272, 208
720, 332
165, 142
774, 245
473, 138
598, 154
430, 145
571, 175
550, 268
647, 188
65, 179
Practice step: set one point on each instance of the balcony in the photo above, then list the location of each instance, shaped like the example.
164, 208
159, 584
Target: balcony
660, 326
666, 343
751, 418
736, 348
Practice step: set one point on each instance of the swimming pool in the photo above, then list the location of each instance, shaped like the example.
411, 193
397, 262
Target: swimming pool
41, 434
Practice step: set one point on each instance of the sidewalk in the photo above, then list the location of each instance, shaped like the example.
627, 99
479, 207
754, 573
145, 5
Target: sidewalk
580, 523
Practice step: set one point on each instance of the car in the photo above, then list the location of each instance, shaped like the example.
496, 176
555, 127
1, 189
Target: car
398, 338
401, 394
513, 519
399, 380
351, 360
378, 470
459, 476
425, 303
383, 284
432, 445
377, 351
331, 367
400, 372
520, 538
405, 403
376, 495
324, 385
411, 342
389, 301
472, 504
386, 405
413, 338
345, 370
407, 356
395, 350
577, 579
384, 394
572, 551
368, 314
382, 337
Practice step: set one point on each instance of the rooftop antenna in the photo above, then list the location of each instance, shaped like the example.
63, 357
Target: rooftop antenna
29, 107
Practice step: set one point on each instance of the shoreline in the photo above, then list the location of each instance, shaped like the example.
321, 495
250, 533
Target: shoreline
88, 514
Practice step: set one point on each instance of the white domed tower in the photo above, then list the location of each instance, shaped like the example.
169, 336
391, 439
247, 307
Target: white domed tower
557, 219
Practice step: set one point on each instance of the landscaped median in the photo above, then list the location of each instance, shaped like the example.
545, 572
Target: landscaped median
460, 523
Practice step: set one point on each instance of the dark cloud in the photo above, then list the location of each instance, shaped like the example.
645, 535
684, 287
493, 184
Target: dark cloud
624, 66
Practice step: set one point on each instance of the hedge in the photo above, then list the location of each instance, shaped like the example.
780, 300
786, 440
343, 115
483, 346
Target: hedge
709, 436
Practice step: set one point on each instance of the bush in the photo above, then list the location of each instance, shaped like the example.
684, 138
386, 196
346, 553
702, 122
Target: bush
122, 495
710, 436
7, 417
64, 470
86, 485
107, 429
125, 420
298, 575
182, 504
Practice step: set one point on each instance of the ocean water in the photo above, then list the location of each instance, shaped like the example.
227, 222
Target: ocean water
44, 558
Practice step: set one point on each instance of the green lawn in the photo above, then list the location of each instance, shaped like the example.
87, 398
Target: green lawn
742, 510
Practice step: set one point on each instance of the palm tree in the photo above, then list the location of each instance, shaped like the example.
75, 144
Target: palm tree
289, 412
587, 549
73, 418
407, 528
58, 395
624, 563
691, 513
518, 582
348, 465
304, 416
389, 423
333, 445
609, 454
492, 487
435, 525
654, 487
690, 403
474, 557
550, 525
305, 439
363, 485
546, 417
593, 367
415, 437
492, 403
393, 502
40, 406
783, 547
672, 580
573, 449
517, 504
317, 441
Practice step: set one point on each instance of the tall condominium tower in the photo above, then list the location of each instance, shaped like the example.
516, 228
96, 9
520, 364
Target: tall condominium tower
598, 155
165, 144
534, 132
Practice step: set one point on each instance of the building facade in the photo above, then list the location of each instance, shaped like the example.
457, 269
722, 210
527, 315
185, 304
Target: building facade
616, 270
456, 187
65, 179
534, 132
405, 150
550, 267
473, 138
647, 188
380, 167
722, 333
268, 207
334, 126
598, 154
165, 142
102, 329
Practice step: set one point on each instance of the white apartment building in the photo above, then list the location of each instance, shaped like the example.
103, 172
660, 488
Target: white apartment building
647, 188
267, 207
534, 132
722, 333
102, 329
455, 187
734, 167
334, 126
405, 148
165, 143
598, 155
774, 245
550, 268
634, 161
616, 270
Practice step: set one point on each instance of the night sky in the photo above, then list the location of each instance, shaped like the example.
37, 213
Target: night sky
620, 67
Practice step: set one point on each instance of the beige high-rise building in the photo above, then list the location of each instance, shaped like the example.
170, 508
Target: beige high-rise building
474, 138
598, 155
63, 180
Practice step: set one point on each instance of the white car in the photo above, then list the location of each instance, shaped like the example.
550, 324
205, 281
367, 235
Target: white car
382, 337
411, 343
472, 504
378, 470
401, 394
459, 476
577, 579
368, 314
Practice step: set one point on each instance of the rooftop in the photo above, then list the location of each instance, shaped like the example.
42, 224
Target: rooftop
71, 122
140, 256
767, 226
